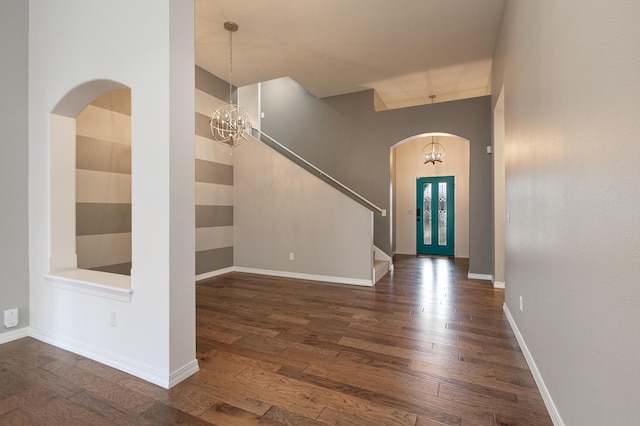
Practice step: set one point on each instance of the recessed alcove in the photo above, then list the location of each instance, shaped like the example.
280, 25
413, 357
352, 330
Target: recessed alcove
65, 270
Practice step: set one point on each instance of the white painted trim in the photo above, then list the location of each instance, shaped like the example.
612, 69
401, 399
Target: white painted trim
499, 284
213, 274
12, 335
145, 372
300, 276
103, 284
183, 373
487, 277
546, 396
408, 253
380, 255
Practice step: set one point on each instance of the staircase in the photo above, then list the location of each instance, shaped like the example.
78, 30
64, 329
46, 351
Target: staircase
381, 264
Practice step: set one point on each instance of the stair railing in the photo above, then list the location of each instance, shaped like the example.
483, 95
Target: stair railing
336, 183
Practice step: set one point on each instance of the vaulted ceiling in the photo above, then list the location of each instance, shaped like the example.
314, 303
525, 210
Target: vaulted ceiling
405, 50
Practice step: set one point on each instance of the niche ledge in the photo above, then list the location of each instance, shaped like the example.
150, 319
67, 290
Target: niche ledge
96, 283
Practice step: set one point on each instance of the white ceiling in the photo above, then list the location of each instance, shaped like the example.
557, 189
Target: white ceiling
404, 49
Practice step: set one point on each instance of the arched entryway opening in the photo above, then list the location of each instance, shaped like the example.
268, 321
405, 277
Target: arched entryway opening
407, 165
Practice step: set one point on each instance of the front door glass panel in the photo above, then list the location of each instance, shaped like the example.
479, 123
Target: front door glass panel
442, 213
427, 213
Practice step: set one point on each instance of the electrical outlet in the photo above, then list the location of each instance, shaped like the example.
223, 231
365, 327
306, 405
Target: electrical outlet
114, 319
11, 317
291, 256
521, 305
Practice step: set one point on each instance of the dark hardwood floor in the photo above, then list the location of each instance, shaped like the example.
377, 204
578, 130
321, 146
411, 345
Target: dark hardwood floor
426, 346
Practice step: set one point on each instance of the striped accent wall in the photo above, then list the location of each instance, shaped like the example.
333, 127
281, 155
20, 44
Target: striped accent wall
103, 184
214, 181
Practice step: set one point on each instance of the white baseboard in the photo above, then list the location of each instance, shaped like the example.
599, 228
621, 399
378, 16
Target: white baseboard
407, 252
487, 277
183, 373
499, 284
145, 372
300, 276
212, 274
12, 335
546, 396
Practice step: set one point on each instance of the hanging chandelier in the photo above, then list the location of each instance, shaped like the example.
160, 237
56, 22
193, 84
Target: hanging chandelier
434, 151
435, 155
230, 124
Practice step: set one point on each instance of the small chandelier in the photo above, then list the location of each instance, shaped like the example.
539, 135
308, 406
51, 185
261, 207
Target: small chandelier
435, 155
230, 124
435, 151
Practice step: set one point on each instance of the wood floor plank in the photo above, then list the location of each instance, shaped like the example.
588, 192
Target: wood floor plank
11, 383
281, 416
502, 408
165, 415
47, 405
108, 410
225, 389
127, 398
335, 416
229, 415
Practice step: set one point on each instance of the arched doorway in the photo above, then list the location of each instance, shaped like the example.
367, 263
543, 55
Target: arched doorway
407, 166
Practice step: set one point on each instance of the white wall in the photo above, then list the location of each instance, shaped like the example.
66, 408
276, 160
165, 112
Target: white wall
572, 98
73, 42
280, 208
409, 165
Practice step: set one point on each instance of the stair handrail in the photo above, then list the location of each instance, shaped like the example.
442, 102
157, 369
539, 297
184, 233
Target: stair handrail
321, 172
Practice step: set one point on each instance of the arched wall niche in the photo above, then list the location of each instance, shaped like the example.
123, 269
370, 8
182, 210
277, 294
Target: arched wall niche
406, 166
63, 263
82, 95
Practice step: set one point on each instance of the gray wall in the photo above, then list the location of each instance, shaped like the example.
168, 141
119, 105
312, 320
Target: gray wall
281, 208
572, 99
14, 232
345, 137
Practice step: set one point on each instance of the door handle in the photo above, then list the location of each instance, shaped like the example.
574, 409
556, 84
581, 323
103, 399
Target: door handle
418, 214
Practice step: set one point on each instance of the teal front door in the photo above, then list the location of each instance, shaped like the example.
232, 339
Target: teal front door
434, 215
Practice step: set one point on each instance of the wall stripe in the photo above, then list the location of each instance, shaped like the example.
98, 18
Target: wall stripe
102, 218
209, 216
211, 194
210, 150
202, 126
210, 172
211, 84
100, 123
214, 237
106, 249
212, 260
207, 104
120, 268
97, 154
116, 101
94, 186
